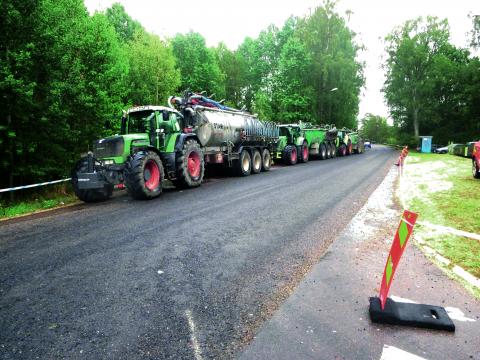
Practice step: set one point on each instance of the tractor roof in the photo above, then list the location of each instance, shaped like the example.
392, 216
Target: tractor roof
150, 107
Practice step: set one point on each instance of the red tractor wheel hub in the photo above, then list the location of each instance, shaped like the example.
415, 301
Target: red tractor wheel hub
194, 164
151, 174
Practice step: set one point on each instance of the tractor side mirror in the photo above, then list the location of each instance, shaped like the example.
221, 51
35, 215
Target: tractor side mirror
165, 115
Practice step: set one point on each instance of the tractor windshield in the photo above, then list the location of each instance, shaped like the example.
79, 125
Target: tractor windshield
139, 121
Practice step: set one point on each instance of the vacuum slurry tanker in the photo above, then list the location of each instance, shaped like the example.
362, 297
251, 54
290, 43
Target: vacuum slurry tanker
157, 143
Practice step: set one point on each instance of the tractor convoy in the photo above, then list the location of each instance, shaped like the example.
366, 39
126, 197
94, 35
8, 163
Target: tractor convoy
177, 142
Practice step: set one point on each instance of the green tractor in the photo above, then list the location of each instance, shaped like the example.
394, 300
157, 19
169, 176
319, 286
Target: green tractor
149, 148
344, 142
358, 146
292, 146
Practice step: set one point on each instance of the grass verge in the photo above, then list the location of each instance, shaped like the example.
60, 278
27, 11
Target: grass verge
443, 191
35, 201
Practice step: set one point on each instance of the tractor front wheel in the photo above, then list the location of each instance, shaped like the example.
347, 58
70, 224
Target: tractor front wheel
144, 175
190, 165
304, 153
89, 195
290, 155
349, 147
342, 150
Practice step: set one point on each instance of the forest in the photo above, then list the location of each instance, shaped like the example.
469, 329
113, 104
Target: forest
66, 75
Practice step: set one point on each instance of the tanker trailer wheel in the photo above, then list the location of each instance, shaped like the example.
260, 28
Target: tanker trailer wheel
323, 151
190, 165
290, 155
144, 175
243, 166
329, 151
304, 153
266, 160
475, 170
334, 150
256, 161
89, 195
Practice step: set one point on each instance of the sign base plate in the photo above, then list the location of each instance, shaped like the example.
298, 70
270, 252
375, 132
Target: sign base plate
406, 314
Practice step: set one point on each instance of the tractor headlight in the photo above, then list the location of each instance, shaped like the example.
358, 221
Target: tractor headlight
108, 162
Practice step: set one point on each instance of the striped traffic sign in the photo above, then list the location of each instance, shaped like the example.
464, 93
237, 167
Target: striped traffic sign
404, 230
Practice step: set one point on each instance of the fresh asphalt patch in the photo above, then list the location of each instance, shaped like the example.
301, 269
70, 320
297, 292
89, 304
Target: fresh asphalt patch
192, 274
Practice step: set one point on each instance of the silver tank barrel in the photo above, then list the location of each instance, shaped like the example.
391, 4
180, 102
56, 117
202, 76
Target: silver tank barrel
217, 127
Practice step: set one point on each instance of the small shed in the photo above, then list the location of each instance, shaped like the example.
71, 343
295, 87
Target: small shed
426, 144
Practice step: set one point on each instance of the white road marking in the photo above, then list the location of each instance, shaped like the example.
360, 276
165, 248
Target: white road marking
457, 314
453, 312
393, 353
450, 230
193, 336
472, 280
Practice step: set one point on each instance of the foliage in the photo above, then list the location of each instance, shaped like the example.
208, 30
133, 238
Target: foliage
197, 64
153, 76
376, 128
432, 87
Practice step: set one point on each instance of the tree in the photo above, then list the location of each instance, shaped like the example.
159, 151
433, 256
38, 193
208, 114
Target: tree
333, 50
153, 76
293, 95
376, 128
411, 51
197, 64
124, 25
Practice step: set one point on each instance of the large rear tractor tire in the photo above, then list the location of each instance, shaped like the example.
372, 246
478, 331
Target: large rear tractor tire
266, 160
256, 162
89, 195
243, 166
144, 175
290, 155
323, 151
190, 165
304, 153
475, 170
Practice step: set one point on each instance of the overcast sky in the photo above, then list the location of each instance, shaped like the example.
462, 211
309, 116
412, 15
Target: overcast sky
231, 21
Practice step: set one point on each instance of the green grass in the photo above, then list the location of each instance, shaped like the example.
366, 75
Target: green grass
443, 191
45, 199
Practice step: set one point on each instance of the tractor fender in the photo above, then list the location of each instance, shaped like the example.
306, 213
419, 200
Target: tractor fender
181, 140
300, 141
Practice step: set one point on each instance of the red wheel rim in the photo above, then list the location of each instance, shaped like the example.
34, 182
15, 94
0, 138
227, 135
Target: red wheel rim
294, 155
194, 164
350, 148
344, 150
151, 175
305, 153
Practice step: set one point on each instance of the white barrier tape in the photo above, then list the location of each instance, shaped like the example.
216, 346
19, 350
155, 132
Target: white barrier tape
450, 230
34, 185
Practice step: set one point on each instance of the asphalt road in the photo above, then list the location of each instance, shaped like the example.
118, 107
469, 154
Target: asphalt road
190, 275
